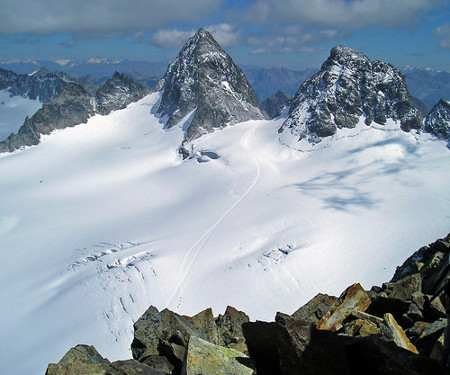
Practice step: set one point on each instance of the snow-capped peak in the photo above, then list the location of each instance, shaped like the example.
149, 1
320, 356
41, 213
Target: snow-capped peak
204, 78
349, 85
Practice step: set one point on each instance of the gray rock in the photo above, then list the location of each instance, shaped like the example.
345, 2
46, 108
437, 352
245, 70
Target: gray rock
205, 358
315, 309
80, 360
437, 122
7, 78
230, 328
204, 78
275, 104
348, 86
71, 107
117, 92
132, 367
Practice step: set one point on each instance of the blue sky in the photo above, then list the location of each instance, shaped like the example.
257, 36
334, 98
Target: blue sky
296, 34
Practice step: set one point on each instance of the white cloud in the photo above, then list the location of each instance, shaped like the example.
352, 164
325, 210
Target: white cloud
341, 13
259, 51
171, 38
225, 34
290, 40
443, 31
305, 49
99, 17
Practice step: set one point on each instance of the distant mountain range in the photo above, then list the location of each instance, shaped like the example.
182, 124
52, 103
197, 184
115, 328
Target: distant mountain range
427, 85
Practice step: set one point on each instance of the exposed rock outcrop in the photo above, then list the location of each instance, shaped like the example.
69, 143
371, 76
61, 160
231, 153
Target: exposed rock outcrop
203, 78
275, 104
117, 92
73, 106
437, 122
347, 87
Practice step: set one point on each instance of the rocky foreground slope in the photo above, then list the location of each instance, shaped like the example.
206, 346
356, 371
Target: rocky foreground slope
397, 328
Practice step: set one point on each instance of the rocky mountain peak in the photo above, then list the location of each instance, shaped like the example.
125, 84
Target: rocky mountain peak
275, 104
204, 78
7, 78
40, 73
437, 122
349, 85
117, 92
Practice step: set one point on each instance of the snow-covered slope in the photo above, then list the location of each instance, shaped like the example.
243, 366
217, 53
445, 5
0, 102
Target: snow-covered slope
103, 219
13, 110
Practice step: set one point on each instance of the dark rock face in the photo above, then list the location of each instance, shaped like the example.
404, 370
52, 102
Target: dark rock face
348, 86
204, 78
117, 93
275, 104
41, 85
437, 122
422, 107
166, 334
73, 106
7, 78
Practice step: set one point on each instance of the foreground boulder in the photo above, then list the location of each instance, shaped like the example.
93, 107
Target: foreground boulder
205, 358
161, 338
80, 360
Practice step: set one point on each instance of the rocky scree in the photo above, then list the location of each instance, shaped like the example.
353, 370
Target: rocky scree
397, 328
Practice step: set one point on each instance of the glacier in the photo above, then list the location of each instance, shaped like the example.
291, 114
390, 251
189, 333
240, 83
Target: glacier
101, 220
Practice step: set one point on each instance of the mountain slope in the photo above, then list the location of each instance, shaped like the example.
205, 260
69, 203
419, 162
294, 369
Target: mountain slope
347, 87
73, 106
104, 219
203, 78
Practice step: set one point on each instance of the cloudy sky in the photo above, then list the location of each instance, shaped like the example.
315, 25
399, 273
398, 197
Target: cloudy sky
296, 34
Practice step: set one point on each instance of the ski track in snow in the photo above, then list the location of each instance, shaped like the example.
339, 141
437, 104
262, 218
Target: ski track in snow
194, 251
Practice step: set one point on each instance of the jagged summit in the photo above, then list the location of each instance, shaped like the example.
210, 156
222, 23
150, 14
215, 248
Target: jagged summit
275, 104
204, 78
117, 92
437, 122
349, 85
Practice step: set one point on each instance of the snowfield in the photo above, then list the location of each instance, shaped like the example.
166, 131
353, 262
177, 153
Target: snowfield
13, 110
104, 219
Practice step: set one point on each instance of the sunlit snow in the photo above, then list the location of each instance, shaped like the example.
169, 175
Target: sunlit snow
104, 219
13, 110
